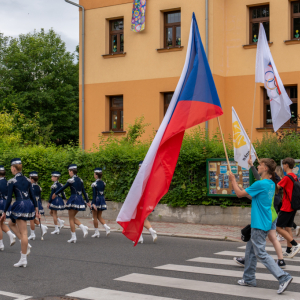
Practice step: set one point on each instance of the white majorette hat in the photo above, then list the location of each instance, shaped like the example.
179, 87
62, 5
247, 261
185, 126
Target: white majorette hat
2, 168
15, 161
97, 170
33, 174
72, 167
56, 174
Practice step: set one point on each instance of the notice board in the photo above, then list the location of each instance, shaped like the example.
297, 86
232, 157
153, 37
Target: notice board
218, 184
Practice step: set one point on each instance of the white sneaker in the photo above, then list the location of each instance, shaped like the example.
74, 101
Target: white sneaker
61, 224
72, 240
294, 250
96, 235
243, 283
22, 262
44, 229
32, 236
56, 231
297, 230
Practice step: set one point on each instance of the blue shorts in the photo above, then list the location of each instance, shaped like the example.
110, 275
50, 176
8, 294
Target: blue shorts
273, 227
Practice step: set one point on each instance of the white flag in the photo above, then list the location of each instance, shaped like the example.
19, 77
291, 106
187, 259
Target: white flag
266, 73
241, 143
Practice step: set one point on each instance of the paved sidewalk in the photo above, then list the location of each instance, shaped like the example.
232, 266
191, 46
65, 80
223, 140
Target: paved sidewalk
210, 232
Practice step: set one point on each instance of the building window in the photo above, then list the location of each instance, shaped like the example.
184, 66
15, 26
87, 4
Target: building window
116, 36
167, 100
295, 19
116, 113
292, 92
259, 14
172, 29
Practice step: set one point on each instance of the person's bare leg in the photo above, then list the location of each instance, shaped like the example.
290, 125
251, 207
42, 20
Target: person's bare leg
1, 233
4, 227
95, 220
72, 214
99, 216
14, 228
54, 215
32, 226
273, 239
36, 222
23, 233
147, 224
77, 222
286, 234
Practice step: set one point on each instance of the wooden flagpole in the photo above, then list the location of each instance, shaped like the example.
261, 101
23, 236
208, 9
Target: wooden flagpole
224, 144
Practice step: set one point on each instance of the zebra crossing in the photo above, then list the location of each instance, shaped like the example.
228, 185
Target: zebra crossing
200, 286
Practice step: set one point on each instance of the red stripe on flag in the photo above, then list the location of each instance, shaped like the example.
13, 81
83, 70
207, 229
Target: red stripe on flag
186, 115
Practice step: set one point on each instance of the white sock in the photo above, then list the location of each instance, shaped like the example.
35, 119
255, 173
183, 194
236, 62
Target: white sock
56, 227
105, 226
10, 234
23, 256
32, 231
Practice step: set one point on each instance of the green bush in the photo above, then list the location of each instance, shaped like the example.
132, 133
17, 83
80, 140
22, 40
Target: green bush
119, 159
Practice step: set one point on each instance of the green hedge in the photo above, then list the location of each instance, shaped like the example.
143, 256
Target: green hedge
119, 160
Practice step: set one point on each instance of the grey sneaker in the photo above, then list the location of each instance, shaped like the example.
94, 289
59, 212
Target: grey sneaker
295, 250
240, 261
287, 255
283, 286
243, 283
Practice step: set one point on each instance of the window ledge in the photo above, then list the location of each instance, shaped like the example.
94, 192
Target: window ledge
251, 46
292, 42
105, 132
112, 55
169, 49
271, 128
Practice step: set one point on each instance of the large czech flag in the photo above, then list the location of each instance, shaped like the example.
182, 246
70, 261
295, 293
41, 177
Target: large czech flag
195, 101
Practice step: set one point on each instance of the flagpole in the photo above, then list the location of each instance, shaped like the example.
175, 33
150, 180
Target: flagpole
224, 144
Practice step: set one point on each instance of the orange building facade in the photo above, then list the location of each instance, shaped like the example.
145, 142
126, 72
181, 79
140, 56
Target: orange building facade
129, 74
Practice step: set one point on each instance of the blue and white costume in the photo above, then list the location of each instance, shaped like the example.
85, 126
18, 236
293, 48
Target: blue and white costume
76, 201
25, 204
98, 195
58, 202
37, 192
3, 192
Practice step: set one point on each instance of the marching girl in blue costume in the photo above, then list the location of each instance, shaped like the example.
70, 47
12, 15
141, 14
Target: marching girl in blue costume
24, 209
38, 197
98, 203
57, 203
75, 202
3, 197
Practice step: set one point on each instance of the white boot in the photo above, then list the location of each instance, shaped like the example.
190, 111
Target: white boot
44, 229
107, 229
84, 230
22, 262
141, 240
96, 234
1, 245
56, 231
28, 248
73, 238
32, 235
61, 223
12, 238
153, 233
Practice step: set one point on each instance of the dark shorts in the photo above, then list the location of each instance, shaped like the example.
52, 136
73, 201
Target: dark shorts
286, 219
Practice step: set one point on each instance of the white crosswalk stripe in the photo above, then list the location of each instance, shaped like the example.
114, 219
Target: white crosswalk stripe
104, 294
230, 262
242, 254
209, 287
267, 248
14, 296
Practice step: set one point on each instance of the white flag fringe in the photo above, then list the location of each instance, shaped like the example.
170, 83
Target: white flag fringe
241, 143
266, 73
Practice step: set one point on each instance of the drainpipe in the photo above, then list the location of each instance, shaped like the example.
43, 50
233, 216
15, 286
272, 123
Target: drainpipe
82, 71
206, 46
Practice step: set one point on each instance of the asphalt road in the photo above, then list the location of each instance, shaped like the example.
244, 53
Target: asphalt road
56, 268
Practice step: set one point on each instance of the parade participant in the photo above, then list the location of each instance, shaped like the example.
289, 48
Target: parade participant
98, 203
287, 214
272, 233
57, 203
75, 202
3, 196
147, 224
24, 208
33, 177
261, 193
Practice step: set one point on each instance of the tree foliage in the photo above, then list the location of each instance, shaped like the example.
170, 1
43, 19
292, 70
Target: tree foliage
39, 75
